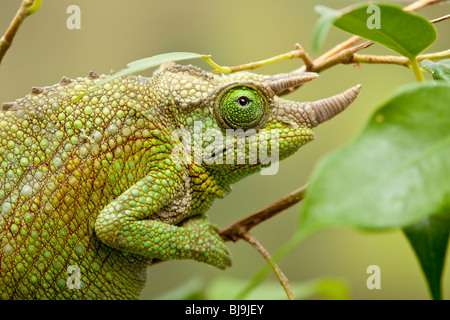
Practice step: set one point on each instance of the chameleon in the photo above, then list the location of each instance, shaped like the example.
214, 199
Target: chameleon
94, 189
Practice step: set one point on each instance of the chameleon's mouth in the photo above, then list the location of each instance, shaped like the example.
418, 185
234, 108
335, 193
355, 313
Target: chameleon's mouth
277, 144
217, 154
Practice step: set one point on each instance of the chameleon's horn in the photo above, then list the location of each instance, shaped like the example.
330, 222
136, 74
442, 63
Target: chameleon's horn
326, 109
285, 81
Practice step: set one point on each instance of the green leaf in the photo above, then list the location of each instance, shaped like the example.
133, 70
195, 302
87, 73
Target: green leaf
386, 25
429, 238
35, 6
396, 172
323, 24
192, 289
326, 287
440, 70
144, 64
147, 63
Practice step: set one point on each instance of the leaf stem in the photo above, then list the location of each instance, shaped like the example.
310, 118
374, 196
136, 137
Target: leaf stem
27, 7
253, 65
415, 67
217, 67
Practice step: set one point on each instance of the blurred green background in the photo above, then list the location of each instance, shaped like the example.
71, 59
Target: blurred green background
115, 32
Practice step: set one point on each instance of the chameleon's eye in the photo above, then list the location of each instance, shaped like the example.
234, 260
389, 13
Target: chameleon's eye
242, 107
243, 101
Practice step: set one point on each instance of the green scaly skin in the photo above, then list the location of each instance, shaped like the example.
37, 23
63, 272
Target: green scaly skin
94, 184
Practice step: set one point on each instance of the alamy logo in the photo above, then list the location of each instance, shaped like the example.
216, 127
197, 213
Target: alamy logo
74, 280
374, 280
374, 21
74, 20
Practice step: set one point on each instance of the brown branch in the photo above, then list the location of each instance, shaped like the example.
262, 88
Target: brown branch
284, 281
238, 229
304, 56
26, 8
421, 4
348, 57
440, 19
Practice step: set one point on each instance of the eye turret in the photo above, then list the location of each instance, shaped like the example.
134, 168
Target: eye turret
241, 107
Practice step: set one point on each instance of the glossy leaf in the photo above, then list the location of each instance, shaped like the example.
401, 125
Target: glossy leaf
396, 172
381, 23
429, 238
385, 24
440, 69
323, 24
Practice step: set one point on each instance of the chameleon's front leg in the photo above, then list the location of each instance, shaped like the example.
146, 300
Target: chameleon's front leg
129, 223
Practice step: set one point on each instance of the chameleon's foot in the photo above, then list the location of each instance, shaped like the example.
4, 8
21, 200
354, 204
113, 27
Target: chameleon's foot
194, 239
205, 244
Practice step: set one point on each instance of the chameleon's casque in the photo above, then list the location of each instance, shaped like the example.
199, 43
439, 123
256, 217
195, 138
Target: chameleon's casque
94, 189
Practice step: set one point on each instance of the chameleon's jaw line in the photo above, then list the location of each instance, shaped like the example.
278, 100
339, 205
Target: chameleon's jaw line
325, 109
284, 81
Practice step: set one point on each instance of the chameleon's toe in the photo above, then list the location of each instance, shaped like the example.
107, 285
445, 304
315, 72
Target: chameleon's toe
218, 253
206, 245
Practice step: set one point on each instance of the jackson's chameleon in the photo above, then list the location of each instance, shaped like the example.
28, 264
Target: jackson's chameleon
96, 188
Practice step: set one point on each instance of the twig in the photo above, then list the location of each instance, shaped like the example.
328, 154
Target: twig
297, 53
338, 48
280, 275
239, 228
26, 8
348, 56
421, 4
309, 63
440, 19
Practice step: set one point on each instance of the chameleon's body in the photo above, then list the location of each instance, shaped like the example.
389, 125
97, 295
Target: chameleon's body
93, 184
